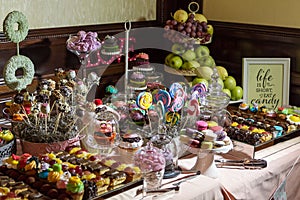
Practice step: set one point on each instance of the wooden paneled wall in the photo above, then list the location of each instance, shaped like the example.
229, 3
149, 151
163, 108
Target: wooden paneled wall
233, 41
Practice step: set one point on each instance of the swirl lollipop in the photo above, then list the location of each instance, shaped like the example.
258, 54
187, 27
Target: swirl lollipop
193, 107
172, 118
164, 97
144, 100
176, 89
177, 104
200, 87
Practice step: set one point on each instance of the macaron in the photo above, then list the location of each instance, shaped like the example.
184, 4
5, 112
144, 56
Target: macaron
201, 125
206, 145
216, 129
209, 135
212, 124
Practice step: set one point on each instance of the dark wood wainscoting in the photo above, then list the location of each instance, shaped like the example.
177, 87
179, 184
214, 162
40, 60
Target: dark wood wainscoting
47, 47
233, 41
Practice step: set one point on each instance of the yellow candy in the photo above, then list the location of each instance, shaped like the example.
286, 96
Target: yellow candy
14, 162
295, 118
51, 156
4, 191
234, 124
74, 150
59, 161
89, 176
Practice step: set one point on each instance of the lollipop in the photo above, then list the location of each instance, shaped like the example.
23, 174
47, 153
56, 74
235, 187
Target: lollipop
172, 117
193, 108
200, 87
144, 100
176, 89
163, 96
177, 104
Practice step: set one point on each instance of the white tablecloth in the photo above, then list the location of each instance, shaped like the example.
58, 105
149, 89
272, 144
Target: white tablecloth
260, 184
241, 183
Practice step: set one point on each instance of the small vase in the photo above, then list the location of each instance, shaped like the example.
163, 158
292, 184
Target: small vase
152, 163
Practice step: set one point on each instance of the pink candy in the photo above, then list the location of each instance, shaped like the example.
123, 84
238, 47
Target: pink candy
150, 159
84, 42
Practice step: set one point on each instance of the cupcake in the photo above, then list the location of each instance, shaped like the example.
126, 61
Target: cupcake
243, 106
137, 79
75, 188
137, 116
131, 141
142, 62
110, 46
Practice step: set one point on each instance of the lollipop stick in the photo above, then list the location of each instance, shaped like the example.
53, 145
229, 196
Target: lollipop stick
52, 107
71, 125
150, 124
57, 122
82, 129
27, 118
46, 117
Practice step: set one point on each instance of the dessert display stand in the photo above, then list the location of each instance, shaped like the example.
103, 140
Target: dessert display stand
205, 162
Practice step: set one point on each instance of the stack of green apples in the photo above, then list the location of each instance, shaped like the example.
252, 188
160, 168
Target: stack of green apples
228, 83
198, 61
189, 59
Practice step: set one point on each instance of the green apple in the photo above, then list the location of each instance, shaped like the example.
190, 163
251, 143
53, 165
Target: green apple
202, 51
236, 93
200, 80
207, 61
189, 55
176, 62
230, 83
210, 29
204, 72
181, 15
168, 58
177, 49
227, 91
200, 17
188, 65
222, 71
220, 81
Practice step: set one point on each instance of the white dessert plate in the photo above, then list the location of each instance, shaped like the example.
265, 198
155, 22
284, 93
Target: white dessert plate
238, 101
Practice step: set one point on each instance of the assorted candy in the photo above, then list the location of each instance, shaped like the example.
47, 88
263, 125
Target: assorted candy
84, 42
72, 173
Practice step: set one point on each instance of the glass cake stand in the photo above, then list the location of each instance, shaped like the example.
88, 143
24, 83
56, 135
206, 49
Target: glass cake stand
214, 103
205, 162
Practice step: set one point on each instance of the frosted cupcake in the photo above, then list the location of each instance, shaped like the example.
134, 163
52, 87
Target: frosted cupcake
75, 188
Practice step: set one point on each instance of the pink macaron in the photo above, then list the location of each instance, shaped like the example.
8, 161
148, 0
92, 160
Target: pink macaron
201, 125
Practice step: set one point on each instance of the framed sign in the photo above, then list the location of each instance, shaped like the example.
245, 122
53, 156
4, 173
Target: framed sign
266, 81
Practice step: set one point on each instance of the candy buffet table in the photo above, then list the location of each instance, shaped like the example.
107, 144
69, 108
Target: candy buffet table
239, 183
260, 184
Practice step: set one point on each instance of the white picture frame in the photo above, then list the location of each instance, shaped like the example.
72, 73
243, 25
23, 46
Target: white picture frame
266, 81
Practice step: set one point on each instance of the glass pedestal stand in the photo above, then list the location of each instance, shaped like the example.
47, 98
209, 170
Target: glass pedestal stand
205, 162
214, 103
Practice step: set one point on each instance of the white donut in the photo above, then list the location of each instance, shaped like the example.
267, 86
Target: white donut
10, 68
15, 17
